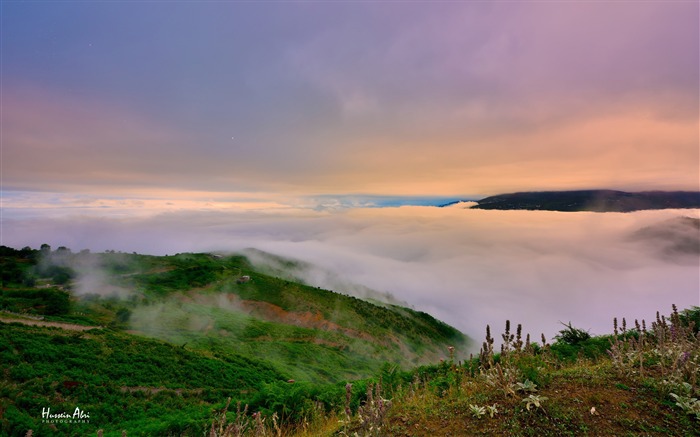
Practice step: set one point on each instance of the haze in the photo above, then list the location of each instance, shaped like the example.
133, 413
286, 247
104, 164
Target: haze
466, 267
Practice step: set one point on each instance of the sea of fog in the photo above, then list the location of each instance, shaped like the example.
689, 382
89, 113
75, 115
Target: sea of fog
466, 267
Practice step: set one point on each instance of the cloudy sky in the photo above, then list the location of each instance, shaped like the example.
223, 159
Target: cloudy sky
271, 104
172, 126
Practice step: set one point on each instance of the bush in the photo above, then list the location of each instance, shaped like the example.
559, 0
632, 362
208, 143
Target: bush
48, 301
691, 315
571, 335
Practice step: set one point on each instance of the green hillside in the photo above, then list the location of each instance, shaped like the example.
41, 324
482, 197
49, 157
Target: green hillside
122, 381
220, 303
196, 329
235, 352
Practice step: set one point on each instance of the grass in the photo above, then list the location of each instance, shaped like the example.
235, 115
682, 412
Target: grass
579, 394
526, 391
195, 351
117, 377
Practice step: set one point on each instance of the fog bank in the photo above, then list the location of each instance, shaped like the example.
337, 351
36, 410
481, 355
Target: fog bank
466, 267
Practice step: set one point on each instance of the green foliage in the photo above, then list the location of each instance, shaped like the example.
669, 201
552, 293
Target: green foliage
149, 387
691, 317
183, 273
118, 378
689, 405
572, 336
47, 301
16, 266
10, 272
291, 401
527, 386
308, 333
215, 350
533, 368
591, 348
624, 378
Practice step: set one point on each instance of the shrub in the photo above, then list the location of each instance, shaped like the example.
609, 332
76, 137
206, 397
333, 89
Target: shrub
571, 335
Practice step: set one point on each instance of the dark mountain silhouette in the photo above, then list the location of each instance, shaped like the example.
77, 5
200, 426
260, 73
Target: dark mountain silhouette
592, 200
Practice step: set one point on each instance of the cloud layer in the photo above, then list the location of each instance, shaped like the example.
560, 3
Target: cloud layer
467, 267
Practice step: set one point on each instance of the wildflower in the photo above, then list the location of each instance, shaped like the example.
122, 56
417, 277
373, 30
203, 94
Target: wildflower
348, 397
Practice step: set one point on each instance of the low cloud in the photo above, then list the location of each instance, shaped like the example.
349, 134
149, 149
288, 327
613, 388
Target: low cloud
466, 267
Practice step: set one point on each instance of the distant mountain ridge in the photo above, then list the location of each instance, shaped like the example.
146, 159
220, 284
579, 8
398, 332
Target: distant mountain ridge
591, 200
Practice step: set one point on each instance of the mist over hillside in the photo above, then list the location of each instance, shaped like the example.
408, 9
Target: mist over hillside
466, 267
677, 238
313, 274
222, 303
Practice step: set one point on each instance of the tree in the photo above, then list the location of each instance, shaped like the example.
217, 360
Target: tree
123, 315
10, 272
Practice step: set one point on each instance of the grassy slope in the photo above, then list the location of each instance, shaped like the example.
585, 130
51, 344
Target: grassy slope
309, 333
223, 338
122, 374
123, 381
609, 385
198, 300
623, 407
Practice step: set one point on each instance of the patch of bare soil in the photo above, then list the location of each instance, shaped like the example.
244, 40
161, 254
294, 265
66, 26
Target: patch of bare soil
155, 390
305, 319
68, 326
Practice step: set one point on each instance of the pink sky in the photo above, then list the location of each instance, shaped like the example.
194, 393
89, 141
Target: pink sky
278, 102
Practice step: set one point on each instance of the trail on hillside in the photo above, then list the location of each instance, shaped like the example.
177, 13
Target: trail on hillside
68, 326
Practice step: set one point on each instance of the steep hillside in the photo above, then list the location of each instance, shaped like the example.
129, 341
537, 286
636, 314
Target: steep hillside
221, 303
215, 302
74, 333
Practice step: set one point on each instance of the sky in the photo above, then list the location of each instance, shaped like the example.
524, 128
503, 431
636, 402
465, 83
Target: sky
178, 104
321, 130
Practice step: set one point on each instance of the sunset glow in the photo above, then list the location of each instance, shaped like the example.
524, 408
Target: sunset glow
304, 99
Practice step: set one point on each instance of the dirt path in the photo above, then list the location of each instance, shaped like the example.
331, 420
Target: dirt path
68, 326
